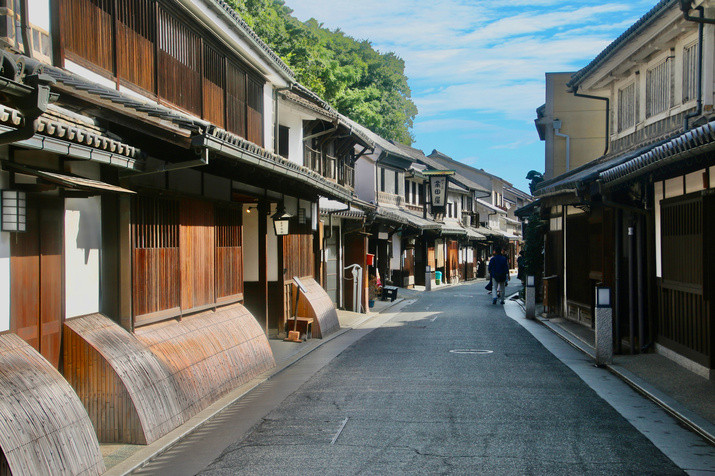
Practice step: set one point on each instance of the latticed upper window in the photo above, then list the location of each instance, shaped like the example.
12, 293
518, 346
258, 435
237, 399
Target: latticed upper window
690, 72
627, 107
657, 89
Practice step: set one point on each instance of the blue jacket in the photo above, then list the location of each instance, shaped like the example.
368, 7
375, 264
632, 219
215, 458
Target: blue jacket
499, 267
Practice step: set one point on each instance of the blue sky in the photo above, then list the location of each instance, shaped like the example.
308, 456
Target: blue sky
477, 71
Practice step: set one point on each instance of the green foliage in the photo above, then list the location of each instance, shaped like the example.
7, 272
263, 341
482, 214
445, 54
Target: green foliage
367, 86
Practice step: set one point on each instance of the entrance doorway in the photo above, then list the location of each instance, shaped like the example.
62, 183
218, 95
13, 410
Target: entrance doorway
36, 278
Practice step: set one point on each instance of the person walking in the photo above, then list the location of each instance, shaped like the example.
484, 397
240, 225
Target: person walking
499, 272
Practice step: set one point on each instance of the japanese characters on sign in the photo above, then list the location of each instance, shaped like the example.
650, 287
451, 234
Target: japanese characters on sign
438, 184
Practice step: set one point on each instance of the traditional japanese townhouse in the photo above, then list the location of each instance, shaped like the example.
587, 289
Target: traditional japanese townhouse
644, 209
401, 237
154, 217
312, 133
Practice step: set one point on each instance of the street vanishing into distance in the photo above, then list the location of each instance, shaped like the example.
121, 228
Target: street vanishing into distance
444, 384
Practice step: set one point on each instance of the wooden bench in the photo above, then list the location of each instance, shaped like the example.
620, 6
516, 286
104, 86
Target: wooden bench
389, 292
304, 325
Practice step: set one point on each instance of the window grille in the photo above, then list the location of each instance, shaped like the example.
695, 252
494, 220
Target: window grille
690, 72
627, 107
657, 89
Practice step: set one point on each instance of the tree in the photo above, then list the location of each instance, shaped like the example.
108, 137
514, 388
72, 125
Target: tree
367, 86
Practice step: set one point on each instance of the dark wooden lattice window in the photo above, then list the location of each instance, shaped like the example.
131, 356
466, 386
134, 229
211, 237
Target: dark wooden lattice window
254, 119
87, 32
229, 253
179, 63
155, 255
136, 25
214, 75
236, 99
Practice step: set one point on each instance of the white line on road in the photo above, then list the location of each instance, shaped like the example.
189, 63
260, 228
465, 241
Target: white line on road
340, 430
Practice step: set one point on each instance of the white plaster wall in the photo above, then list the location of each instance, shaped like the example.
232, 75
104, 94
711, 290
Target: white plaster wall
365, 179
250, 246
82, 255
292, 119
268, 115
4, 268
396, 260
250, 243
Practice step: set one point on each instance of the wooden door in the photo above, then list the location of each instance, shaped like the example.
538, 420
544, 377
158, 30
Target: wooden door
684, 304
408, 268
36, 279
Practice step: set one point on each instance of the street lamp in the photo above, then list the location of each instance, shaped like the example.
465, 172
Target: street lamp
281, 221
603, 296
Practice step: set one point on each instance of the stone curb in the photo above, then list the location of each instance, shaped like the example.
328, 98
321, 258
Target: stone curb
689, 419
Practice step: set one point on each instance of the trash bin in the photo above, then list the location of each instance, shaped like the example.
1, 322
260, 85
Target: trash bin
438, 277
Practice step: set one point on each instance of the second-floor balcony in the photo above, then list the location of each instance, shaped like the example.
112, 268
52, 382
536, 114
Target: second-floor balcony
329, 167
390, 198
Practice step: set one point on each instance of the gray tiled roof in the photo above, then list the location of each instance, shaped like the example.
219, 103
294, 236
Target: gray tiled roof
694, 142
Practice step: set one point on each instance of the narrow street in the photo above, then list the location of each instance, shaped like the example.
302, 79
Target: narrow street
449, 384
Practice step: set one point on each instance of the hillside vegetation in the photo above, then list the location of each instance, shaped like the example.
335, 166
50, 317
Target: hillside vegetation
367, 86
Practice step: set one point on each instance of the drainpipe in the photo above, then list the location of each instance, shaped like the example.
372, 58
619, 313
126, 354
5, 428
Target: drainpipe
608, 103
617, 270
24, 24
685, 7
564, 215
557, 128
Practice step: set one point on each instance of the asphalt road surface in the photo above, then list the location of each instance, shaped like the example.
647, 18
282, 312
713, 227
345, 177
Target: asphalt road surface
450, 385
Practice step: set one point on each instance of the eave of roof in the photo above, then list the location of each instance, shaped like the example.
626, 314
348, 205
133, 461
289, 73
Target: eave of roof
251, 35
638, 26
691, 143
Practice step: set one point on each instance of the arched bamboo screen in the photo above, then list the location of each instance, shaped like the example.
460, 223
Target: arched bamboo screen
44, 429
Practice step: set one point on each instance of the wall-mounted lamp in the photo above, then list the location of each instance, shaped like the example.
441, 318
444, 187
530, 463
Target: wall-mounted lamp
14, 211
603, 296
281, 220
250, 208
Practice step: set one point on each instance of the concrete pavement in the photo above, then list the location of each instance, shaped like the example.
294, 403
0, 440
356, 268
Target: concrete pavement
687, 396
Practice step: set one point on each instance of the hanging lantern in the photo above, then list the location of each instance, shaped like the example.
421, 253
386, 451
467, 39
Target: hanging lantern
14, 211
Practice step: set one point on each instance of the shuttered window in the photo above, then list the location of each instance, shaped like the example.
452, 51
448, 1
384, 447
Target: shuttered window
213, 82
87, 32
657, 89
254, 119
163, 52
179, 63
627, 107
135, 42
690, 72
155, 256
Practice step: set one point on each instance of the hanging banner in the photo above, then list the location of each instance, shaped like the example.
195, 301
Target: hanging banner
438, 185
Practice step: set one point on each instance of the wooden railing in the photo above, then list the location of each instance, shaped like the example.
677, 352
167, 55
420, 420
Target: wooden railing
386, 197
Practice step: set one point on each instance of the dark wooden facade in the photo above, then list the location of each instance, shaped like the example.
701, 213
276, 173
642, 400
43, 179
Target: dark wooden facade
152, 47
187, 255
